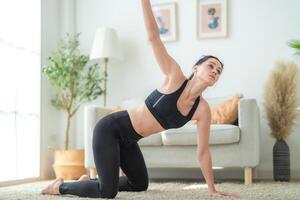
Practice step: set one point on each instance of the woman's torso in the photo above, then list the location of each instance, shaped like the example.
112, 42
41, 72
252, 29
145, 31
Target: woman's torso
143, 120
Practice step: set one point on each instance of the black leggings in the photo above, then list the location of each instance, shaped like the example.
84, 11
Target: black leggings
114, 145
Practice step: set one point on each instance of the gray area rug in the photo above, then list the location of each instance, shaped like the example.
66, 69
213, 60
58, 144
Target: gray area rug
169, 190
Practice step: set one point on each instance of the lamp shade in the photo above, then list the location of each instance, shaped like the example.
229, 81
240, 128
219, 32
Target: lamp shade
106, 45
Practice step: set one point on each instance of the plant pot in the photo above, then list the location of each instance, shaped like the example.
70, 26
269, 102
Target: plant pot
281, 161
69, 164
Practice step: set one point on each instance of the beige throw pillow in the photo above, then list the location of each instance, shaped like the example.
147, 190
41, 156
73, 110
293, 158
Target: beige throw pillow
226, 112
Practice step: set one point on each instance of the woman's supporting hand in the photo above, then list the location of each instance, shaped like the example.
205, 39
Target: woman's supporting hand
223, 194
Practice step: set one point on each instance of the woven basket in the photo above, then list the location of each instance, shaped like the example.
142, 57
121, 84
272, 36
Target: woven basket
69, 164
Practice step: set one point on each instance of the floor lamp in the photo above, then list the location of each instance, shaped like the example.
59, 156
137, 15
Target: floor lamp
106, 49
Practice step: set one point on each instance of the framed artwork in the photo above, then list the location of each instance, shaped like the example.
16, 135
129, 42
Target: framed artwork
211, 18
165, 16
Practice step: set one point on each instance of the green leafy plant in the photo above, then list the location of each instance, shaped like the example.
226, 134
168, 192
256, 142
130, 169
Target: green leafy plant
77, 81
295, 44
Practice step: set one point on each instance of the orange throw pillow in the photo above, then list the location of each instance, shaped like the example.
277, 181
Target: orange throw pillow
226, 112
116, 109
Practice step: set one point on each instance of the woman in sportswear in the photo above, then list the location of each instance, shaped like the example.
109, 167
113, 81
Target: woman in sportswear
177, 101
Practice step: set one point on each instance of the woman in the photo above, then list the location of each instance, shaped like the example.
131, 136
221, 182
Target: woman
176, 102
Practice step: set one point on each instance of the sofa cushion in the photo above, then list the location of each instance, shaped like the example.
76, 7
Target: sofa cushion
187, 135
226, 112
152, 140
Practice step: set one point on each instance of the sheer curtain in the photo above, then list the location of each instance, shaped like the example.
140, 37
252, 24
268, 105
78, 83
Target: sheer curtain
20, 67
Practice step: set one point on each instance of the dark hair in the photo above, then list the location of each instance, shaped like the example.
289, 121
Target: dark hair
202, 60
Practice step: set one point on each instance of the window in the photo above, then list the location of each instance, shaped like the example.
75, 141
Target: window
20, 69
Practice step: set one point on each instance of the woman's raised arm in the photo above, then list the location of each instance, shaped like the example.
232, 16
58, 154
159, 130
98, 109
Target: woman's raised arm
167, 64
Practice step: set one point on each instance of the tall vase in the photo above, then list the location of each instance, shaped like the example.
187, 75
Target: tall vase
281, 161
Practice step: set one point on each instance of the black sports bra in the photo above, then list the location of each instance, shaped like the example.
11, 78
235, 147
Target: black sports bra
164, 108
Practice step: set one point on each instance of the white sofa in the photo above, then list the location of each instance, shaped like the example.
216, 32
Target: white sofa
230, 145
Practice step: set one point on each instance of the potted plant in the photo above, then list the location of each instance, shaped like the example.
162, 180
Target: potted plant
77, 82
281, 101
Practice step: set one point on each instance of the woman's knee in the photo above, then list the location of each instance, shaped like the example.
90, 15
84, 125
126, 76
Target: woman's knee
108, 194
144, 186
141, 186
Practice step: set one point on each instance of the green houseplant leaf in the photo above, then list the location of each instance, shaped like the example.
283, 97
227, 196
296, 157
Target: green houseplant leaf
295, 44
76, 80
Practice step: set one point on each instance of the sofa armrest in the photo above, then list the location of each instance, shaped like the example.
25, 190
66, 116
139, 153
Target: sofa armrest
92, 114
249, 124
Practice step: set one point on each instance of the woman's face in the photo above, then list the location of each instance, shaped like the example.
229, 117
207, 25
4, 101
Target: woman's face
209, 71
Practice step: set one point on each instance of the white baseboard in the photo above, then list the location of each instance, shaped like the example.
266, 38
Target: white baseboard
21, 181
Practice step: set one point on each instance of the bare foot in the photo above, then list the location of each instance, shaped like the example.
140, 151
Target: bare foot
84, 177
53, 188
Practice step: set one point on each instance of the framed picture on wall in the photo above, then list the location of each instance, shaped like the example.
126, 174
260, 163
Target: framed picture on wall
165, 16
211, 19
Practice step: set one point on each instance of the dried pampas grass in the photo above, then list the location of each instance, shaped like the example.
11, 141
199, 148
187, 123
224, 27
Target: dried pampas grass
281, 99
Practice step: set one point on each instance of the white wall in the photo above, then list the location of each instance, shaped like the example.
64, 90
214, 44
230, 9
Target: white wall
50, 35
57, 18
258, 32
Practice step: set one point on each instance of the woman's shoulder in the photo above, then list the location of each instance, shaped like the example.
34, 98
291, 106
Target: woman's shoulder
203, 110
203, 105
177, 71
178, 80
172, 83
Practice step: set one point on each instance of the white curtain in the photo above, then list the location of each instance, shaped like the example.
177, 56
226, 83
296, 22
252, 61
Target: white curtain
20, 68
